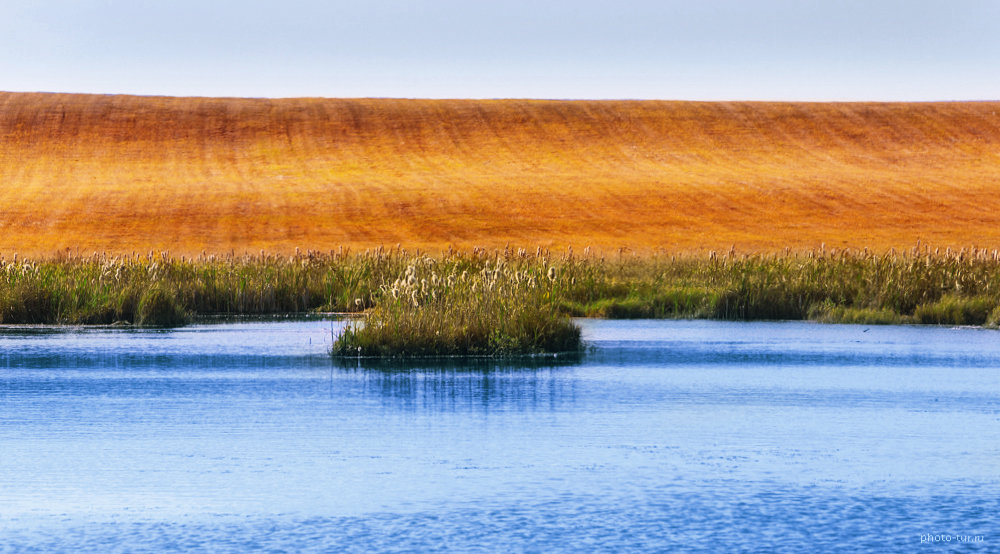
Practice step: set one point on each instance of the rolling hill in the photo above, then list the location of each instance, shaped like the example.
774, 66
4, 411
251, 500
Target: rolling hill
123, 173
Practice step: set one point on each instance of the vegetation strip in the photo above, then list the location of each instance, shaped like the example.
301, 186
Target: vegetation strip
504, 302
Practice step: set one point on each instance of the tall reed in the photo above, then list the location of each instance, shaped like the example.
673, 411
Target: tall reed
466, 307
515, 286
156, 289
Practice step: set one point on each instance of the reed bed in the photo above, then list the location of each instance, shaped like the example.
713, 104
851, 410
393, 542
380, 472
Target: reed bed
960, 287
501, 302
157, 289
458, 306
915, 286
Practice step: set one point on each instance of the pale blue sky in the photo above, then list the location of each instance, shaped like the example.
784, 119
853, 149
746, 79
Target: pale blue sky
670, 49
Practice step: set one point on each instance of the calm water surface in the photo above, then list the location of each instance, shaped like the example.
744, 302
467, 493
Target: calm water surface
668, 435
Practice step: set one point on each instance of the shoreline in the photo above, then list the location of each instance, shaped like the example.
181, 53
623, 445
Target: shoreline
503, 302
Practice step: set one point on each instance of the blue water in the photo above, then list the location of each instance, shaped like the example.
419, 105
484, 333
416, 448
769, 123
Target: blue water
667, 435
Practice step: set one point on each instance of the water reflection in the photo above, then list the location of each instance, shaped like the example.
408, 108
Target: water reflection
454, 363
485, 387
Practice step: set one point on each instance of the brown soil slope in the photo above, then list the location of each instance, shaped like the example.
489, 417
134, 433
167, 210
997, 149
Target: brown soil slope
120, 173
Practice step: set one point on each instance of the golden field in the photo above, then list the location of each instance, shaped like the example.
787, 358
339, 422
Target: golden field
122, 173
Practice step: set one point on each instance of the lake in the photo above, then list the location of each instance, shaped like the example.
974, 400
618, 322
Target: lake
666, 435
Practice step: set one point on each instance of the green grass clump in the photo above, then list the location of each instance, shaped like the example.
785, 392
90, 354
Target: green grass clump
459, 307
159, 306
956, 310
830, 313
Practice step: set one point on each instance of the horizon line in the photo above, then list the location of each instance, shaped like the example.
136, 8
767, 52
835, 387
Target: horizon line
511, 98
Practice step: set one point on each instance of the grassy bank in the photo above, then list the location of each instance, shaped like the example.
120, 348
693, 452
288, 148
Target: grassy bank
161, 290
504, 302
916, 286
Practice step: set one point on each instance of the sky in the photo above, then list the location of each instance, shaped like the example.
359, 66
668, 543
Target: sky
669, 49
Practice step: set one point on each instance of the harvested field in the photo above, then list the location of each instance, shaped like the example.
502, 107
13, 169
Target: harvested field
122, 174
